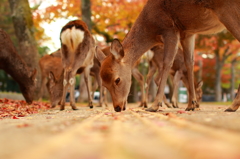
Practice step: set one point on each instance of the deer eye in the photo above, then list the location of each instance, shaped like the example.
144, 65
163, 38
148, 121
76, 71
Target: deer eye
117, 81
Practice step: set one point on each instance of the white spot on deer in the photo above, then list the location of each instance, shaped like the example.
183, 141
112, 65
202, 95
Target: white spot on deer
64, 82
71, 81
72, 38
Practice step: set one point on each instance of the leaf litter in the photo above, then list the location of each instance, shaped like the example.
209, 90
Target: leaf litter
15, 109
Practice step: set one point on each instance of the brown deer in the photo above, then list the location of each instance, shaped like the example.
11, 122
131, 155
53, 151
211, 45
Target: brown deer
178, 72
47, 63
15, 66
77, 48
168, 22
51, 67
136, 74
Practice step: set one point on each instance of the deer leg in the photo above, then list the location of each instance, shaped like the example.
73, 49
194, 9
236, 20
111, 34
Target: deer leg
166, 101
72, 93
236, 103
99, 81
164, 96
65, 86
140, 79
88, 83
105, 96
188, 49
171, 40
152, 70
176, 81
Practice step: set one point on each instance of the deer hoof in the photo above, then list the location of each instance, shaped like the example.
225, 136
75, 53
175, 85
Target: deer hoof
145, 104
189, 109
229, 110
90, 106
75, 108
151, 109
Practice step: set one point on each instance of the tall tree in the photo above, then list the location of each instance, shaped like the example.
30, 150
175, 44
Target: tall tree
24, 30
85, 8
221, 46
86, 13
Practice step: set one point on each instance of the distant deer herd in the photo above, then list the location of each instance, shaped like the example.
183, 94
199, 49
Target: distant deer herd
161, 27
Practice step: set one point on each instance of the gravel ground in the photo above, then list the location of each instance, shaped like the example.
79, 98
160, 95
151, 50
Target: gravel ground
101, 133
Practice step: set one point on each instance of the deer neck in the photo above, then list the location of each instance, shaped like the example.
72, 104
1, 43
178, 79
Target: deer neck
18, 70
143, 35
135, 45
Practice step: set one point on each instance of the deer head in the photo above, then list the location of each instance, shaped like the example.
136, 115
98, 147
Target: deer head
116, 80
29, 88
55, 88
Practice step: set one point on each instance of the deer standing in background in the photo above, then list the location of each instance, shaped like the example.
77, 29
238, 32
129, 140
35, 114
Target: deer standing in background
168, 22
51, 67
178, 72
14, 65
77, 48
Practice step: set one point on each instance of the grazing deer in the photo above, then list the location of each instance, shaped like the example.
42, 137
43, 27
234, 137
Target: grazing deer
47, 63
178, 72
77, 48
51, 67
168, 22
14, 65
136, 74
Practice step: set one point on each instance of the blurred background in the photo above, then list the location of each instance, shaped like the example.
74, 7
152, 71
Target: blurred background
39, 22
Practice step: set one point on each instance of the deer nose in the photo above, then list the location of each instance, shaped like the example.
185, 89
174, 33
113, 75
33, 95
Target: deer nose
117, 109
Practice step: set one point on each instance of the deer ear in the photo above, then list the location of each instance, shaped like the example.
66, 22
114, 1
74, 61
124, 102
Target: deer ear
51, 76
99, 54
117, 49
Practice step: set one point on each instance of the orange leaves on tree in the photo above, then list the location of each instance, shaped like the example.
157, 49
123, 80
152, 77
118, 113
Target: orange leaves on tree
111, 17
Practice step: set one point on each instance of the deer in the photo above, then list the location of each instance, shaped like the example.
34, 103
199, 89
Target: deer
77, 52
52, 76
12, 63
47, 63
135, 73
178, 72
168, 22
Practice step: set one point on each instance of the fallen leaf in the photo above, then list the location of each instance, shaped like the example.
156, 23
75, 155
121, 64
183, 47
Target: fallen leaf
181, 112
14, 117
23, 125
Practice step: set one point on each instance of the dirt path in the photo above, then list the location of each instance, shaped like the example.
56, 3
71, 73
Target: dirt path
101, 133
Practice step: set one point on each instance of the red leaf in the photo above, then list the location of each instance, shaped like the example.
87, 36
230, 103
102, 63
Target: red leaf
14, 117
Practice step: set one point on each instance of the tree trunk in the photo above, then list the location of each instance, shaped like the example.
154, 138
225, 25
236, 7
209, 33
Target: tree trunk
86, 17
218, 88
24, 30
86, 13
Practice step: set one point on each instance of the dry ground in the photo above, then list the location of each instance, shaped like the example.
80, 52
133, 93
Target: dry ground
101, 133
